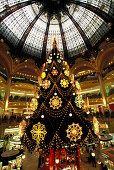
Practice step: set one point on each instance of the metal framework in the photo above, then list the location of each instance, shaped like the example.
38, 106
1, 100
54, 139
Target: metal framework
106, 17
13, 8
63, 39
45, 41
24, 36
85, 38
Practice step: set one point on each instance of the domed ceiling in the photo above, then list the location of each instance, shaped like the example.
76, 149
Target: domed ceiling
77, 24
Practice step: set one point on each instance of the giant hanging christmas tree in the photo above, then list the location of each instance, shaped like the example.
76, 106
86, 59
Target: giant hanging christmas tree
57, 121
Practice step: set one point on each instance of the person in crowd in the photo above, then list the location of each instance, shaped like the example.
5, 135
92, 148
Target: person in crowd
105, 168
93, 159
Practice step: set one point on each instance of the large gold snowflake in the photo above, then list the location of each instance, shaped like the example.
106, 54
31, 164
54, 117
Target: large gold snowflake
64, 83
55, 102
74, 132
38, 132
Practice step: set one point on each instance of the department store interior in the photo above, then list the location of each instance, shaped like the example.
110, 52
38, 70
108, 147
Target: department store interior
56, 84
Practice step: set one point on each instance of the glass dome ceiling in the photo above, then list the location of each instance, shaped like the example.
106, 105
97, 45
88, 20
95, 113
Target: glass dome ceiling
77, 24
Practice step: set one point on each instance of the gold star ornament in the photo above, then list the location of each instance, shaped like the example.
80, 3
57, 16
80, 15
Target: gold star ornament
64, 83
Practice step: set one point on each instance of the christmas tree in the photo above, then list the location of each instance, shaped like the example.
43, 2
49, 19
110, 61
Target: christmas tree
57, 121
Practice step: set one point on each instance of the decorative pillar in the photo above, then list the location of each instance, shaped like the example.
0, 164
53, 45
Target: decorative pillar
7, 94
63, 39
102, 89
105, 106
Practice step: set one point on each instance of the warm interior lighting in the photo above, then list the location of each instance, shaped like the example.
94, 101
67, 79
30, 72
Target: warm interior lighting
104, 102
89, 91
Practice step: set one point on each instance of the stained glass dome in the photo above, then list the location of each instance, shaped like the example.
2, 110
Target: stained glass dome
78, 25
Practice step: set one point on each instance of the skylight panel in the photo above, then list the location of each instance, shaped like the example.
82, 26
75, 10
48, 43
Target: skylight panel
36, 36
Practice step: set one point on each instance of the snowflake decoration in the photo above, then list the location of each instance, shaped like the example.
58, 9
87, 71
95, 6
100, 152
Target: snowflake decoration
46, 84
74, 132
34, 104
79, 101
38, 132
64, 83
54, 72
55, 102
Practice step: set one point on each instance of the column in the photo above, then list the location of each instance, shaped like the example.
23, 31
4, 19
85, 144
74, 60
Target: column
7, 94
105, 106
102, 88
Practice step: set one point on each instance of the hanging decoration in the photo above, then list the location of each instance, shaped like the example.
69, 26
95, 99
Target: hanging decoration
38, 132
66, 72
55, 102
59, 60
49, 61
34, 104
79, 101
78, 85
74, 132
46, 84
22, 126
64, 83
54, 72
43, 75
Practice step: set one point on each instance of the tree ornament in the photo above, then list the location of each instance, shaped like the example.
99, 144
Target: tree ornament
22, 126
66, 72
59, 60
77, 85
43, 75
64, 83
54, 72
74, 132
38, 132
49, 61
79, 101
46, 84
55, 102
96, 125
34, 104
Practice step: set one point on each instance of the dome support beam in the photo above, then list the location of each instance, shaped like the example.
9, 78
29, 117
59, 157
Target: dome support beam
5, 13
106, 17
26, 33
43, 56
63, 39
83, 35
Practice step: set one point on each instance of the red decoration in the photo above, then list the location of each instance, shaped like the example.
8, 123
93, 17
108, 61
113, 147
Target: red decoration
79, 166
64, 157
57, 159
111, 106
54, 72
51, 159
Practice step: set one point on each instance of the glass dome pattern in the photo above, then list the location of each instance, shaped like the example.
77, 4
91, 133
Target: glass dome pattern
21, 25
